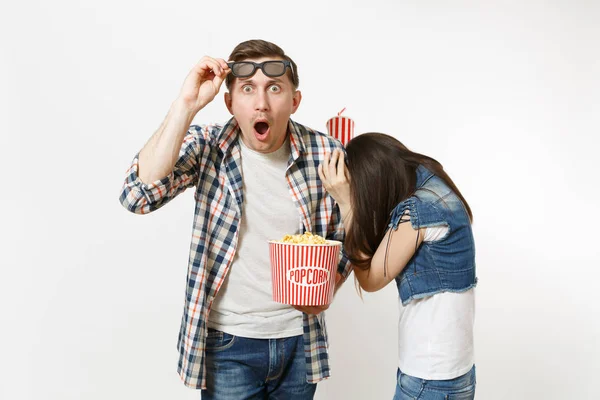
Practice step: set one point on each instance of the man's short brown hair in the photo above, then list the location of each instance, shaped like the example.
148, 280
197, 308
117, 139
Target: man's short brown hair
253, 49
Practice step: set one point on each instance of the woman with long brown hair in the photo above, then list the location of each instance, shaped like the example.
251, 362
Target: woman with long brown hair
406, 221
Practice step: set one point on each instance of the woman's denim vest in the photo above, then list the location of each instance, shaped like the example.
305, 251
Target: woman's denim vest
445, 265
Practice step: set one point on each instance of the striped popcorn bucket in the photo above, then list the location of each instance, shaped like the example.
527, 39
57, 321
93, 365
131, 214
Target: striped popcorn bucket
304, 274
341, 128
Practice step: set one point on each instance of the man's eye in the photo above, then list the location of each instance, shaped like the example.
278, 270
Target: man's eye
246, 89
274, 88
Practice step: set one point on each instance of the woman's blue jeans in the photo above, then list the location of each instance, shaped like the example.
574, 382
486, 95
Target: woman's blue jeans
411, 388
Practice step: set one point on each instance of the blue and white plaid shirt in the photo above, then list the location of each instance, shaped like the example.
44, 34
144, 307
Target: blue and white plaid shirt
210, 160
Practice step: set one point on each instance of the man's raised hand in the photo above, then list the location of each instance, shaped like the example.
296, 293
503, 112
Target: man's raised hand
203, 83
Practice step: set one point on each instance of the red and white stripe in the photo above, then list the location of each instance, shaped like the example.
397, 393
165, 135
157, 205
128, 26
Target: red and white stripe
341, 128
286, 257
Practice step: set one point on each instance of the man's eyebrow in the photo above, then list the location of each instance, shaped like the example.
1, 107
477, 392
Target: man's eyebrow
274, 80
250, 79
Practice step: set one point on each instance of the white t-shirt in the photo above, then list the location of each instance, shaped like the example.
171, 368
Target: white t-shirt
435, 334
244, 305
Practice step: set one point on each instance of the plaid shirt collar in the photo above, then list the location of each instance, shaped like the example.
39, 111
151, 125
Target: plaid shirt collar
231, 130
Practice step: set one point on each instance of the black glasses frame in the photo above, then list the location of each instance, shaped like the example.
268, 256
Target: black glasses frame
261, 65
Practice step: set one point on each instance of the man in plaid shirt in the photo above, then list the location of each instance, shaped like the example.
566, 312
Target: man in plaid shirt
255, 179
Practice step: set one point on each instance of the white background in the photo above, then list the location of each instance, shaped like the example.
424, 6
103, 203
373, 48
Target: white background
505, 94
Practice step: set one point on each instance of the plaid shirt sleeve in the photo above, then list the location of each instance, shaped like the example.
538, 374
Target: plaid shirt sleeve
336, 232
142, 198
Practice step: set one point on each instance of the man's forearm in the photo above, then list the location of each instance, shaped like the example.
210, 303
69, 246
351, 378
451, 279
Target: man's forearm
158, 157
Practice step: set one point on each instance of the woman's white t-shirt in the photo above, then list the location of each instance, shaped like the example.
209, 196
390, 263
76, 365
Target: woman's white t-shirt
435, 334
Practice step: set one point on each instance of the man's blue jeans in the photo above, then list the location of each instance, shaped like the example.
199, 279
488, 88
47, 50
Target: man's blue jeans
241, 368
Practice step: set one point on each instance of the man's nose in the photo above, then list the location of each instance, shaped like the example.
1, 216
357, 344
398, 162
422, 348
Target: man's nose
261, 101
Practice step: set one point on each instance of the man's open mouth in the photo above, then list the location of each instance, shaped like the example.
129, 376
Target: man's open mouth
261, 128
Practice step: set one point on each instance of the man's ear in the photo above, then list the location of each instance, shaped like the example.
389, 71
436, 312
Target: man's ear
227, 98
296, 100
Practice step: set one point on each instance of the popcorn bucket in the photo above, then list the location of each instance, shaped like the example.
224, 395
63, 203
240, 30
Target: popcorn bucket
304, 274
